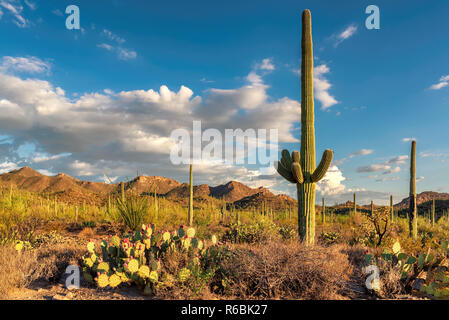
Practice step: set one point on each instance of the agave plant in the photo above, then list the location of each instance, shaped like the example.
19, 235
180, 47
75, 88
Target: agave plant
133, 211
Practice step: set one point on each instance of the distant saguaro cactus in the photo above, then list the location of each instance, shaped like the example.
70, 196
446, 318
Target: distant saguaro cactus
323, 211
355, 205
391, 209
372, 207
191, 197
413, 210
300, 168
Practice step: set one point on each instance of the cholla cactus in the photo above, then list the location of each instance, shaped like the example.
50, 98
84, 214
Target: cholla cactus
298, 167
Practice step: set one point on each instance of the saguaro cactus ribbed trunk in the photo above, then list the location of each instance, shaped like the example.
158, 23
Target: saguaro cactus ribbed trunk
413, 210
372, 207
298, 167
355, 205
191, 197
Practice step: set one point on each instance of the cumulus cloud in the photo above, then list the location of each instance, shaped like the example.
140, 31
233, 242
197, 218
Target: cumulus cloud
443, 82
120, 132
331, 184
321, 87
24, 64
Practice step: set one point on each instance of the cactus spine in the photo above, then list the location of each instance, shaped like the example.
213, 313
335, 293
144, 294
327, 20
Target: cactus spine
298, 167
413, 210
391, 208
191, 197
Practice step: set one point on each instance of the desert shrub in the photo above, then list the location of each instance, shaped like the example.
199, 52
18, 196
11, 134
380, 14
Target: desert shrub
287, 270
288, 232
328, 238
22, 265
133, 211
260, 231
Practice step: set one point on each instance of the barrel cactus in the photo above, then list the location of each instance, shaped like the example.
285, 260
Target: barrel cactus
299, 168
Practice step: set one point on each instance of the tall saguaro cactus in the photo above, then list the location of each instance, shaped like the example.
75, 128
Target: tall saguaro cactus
413, 210
191, 197
298, 167
355, 205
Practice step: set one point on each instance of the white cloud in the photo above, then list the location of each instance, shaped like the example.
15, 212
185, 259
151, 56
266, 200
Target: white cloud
444, 81
126, 54
408, 139
345, 34
122, 53
15, 9
398, 160
373, 168
267, 64
57, 12
361, 152
418, 179
394, 170
113, 37
43, 158
321, 87
331, 184
115, 132
105, 46
24, 64
30, 4
7, 166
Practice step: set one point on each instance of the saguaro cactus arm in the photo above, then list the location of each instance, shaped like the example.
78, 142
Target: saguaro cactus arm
324, 165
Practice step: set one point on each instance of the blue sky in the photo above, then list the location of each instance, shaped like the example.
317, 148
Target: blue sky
80, 101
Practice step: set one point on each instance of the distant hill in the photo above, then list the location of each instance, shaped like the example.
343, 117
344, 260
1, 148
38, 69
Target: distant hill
72, 190
422, 198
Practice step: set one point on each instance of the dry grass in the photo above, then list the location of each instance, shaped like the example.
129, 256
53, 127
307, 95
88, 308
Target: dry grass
20, 269
289, 271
